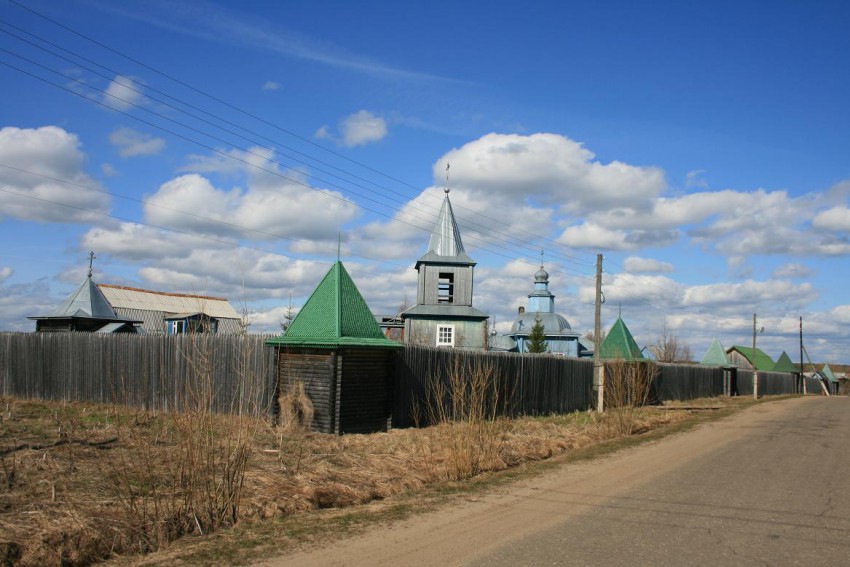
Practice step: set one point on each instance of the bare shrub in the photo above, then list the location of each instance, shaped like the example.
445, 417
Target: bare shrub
197, 488
627, 389
294, 422
462, 407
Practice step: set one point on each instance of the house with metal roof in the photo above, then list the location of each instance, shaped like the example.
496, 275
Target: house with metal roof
747, 358
167, 313
86, 309
336, 350
560, 338
619, 344
443, 315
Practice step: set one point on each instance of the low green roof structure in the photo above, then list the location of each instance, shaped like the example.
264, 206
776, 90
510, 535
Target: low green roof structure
619, 344
784, 364
758, 358
335, 315
716, 356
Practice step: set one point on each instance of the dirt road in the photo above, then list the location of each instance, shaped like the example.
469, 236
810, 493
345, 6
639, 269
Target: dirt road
765, 486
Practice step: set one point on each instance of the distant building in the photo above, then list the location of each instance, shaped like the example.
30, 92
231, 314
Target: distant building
560, 338
443, 314
85, 310
747, 359
619, 344
165, 313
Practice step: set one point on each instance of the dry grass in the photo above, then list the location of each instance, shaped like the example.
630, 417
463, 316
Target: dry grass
80, 482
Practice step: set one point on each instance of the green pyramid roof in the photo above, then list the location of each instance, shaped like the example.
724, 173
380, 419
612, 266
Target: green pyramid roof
335, 315
715, 355
784, 364
827, 372
761, 360
619, 344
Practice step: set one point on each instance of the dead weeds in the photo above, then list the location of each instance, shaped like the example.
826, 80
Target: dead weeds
65, 503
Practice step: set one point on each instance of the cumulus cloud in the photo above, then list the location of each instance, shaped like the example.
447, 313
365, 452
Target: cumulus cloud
835, 218
636, 264
134, 143
596, 237
5, 273
123, 93
797, 271
749, 293
37, 159
361, 128
551, 169
261, 212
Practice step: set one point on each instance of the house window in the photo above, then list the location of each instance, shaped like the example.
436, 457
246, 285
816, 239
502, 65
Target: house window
178, 327
446, 335
446, 288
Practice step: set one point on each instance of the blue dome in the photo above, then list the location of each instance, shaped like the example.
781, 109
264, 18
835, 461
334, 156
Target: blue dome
541, 275
553, 324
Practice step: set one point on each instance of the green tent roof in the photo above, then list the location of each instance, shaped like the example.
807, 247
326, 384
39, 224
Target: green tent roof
619, 344
335, 315
761, 361
827, 372
715, 355
784, 364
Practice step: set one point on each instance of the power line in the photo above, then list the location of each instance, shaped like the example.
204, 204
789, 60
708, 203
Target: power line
253, 116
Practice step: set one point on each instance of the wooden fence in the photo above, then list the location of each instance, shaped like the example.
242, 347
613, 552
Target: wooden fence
687, 382
232, 373
238, 373
523, 384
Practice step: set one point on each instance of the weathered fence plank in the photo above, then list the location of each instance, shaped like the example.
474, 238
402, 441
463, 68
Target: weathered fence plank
235, 373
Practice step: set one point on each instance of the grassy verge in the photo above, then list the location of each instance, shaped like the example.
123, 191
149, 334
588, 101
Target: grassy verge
59, 502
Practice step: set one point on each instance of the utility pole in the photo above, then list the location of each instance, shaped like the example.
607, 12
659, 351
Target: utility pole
755, 371
802, 378
598, 369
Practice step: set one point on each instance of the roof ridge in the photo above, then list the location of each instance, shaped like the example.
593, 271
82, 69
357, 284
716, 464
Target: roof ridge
168, 293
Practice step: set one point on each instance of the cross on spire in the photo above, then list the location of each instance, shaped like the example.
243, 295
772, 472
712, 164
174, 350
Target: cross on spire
541, 257
448, 165
91, 262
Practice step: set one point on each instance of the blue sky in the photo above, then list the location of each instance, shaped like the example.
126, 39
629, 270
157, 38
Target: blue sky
217, 147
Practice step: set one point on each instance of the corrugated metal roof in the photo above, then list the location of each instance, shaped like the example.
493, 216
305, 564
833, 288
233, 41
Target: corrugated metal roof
335, 315
142, 299
619, 344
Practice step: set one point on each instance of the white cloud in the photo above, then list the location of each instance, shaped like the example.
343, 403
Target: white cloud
134, 143
264, 211
108, 170
362, 128
123, 93
270, 86
750, 294
550, 169
31, 188
636, 264
17, 302
835, 218
595, 237
798, 271
323, 133
137, 242
5, 273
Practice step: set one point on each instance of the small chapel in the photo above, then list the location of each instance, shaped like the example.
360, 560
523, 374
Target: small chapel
560, 338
